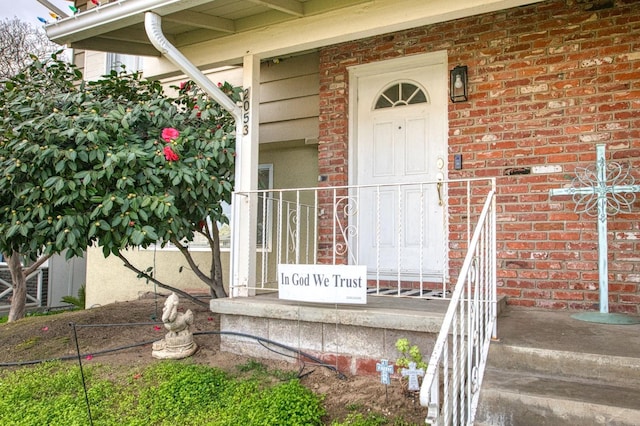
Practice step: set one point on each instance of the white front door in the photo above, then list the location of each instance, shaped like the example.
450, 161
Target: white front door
401, 138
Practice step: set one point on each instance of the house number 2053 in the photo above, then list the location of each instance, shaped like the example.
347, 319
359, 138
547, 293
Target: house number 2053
246, 108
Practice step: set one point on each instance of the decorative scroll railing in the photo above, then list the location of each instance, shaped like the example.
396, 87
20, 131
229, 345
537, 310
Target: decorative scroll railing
411, 236
451, 386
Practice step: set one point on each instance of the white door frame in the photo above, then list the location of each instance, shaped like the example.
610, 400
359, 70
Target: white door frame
384, 67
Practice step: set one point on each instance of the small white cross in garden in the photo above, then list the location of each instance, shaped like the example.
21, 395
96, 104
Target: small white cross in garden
604, 188
412, 373
385, 371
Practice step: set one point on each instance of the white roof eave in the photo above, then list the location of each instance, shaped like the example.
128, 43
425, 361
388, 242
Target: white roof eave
112, 17
360, 20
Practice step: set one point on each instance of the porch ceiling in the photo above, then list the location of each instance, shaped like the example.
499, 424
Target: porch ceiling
229, 29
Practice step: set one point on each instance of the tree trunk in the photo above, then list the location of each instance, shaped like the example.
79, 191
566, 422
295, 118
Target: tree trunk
19, 284
217, 283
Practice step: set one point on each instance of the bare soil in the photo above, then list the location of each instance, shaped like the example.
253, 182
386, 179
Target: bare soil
52, 337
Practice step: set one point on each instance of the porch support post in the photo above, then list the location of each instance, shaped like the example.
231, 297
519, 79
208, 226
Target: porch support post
244, 226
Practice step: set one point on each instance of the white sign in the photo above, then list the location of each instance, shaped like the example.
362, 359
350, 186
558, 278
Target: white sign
323, 283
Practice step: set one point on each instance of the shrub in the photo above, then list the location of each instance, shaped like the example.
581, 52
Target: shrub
409, 353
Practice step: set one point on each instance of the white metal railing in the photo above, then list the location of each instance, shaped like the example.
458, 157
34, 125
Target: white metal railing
411, 236
34, 295
451, 386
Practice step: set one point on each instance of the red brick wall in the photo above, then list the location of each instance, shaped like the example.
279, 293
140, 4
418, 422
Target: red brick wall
547, 82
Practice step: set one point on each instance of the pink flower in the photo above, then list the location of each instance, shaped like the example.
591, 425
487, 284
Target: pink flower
157, 328
169, 155
170, 134
184, 85
89, 357
45, 328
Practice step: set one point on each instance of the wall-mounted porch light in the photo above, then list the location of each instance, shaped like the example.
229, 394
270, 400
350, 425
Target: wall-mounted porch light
458, 84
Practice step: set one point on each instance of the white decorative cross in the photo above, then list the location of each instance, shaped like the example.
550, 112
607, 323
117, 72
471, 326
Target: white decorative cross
412, 372
604, 188
385, 371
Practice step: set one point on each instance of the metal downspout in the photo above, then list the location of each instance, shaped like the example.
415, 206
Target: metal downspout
153, 26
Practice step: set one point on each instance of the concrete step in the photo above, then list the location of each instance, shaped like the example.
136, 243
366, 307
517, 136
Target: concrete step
518, 398
623, 370
550, 369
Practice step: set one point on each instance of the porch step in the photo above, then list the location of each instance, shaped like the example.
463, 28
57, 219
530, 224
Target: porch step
524, 398
550, 369
540, 361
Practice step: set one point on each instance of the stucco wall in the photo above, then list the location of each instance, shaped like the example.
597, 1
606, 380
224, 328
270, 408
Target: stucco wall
109, 281
295, 165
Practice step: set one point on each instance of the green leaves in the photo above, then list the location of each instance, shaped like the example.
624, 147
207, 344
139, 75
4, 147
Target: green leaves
409, 353
84, 164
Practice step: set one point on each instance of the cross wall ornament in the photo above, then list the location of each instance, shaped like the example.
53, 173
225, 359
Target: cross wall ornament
607, 189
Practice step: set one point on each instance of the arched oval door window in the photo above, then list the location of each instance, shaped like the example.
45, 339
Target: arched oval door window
401, 94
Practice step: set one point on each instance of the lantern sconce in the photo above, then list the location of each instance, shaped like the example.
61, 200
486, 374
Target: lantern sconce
458, 84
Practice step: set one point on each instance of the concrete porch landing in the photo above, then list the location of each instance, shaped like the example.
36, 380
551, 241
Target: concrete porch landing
551, 369
384, 312
555, 330
351, 337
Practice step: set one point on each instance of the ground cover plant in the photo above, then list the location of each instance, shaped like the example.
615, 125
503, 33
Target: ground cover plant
166, 393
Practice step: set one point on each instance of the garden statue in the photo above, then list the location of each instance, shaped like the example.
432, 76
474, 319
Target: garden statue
178, 342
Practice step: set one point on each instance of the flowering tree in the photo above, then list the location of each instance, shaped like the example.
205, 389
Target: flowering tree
115, 163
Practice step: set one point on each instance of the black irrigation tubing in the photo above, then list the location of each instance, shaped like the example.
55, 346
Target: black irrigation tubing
119, 324
261, 340
316, 360
75, 356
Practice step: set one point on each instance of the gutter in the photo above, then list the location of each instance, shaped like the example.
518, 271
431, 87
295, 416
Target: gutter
152, 24
110, 17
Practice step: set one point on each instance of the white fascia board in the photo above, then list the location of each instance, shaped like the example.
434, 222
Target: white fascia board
337, 26
111, 17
